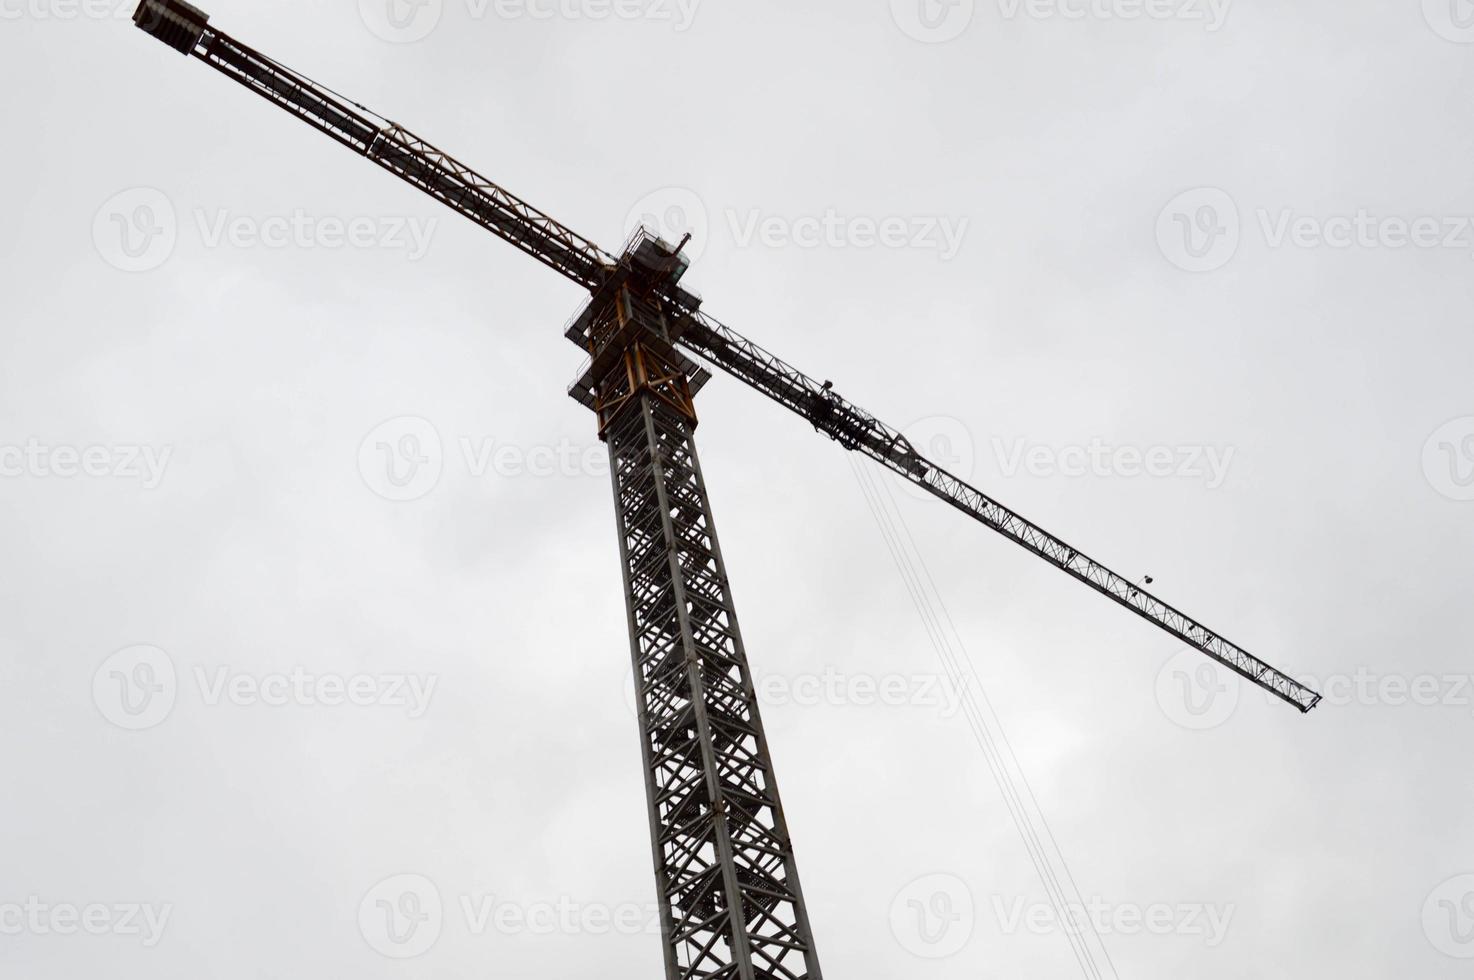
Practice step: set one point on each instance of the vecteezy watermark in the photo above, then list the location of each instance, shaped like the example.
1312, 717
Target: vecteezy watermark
934, 916
138, 229
407, 21
1448, 917
403, 459
1212, 14
836, 688
138, 687
38, 460
1209, 464
674, 212
939, 21
1369, 688
948, 442
563, 916
1198, 694
933, 21
403, 916
1448, 459
1452, 20
130, 920
401, 21
831, 230
1194, 919
67, 10
225, 685
1200, 230
1195, 693
945, 441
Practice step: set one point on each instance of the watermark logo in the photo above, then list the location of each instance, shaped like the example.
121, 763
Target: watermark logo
402, 459
1368, 688
565, 916
1448, 459
1194, 693
933, 21
941, 234
224, 685
67, 11
485, 457
401, 21
402, 916
680, 14
1452, 20
934, 916
136, 687
1199, 230
1213, 14
672, 213
37, 460
301, 230
145, 922
407, 21
835, 688
1448, 917
945, 441
136, 230
1208, 464
1209, 923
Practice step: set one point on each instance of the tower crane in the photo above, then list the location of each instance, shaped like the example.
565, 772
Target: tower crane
727, 885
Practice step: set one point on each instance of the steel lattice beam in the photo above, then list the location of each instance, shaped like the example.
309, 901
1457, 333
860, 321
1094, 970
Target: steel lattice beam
727, 885
859, 431
388, 144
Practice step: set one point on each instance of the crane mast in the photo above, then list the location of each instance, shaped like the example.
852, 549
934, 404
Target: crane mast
729, 896
727, 883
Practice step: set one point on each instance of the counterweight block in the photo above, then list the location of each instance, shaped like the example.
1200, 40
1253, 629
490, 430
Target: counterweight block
176, 23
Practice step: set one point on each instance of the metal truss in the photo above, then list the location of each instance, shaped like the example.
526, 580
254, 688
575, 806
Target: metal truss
858, 430
727, 885
408, 157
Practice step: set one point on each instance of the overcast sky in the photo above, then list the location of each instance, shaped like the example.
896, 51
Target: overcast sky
1187, 282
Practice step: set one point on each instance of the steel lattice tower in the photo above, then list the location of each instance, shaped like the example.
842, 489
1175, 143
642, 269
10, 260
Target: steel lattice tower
728, 889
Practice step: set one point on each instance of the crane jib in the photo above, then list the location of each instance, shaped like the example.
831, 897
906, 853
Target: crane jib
859, 431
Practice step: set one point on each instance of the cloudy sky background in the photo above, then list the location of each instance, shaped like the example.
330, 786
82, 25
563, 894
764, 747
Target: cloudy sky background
1153, 216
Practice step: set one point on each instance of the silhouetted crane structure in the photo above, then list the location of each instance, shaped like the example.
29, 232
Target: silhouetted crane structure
728, 887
